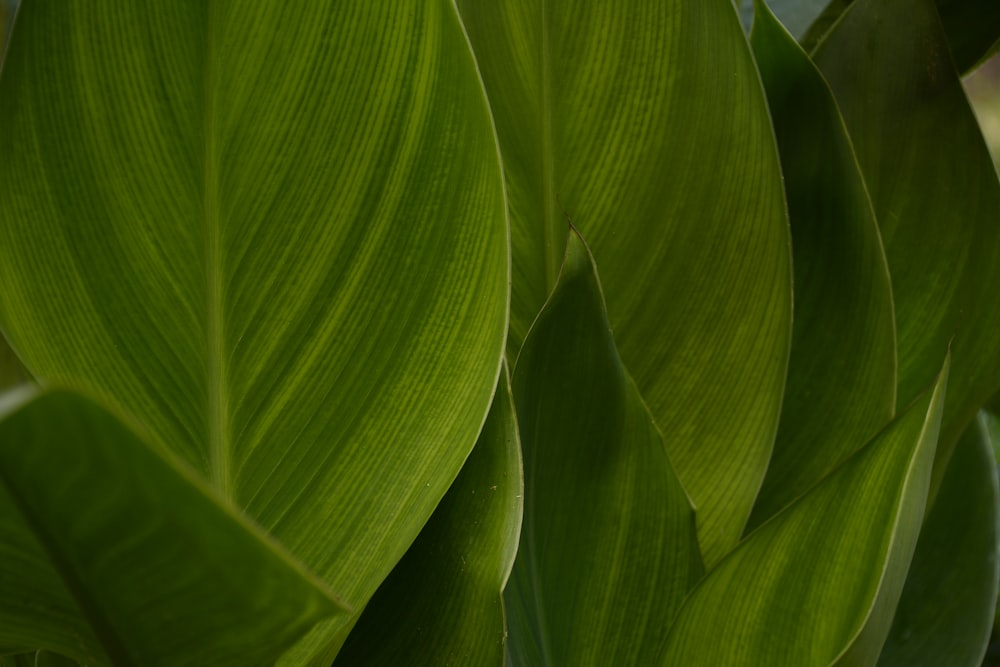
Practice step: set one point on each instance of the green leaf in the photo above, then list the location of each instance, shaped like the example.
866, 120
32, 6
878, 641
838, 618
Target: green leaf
12, 372
972, 28
818, 583
443, 600
274, 233
163, 572
608, 547
622, 114
795, 15
936, 197
18, 660
841, 385
47, 659
946, 612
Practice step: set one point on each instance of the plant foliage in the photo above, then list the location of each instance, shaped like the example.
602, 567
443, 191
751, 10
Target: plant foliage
531, 333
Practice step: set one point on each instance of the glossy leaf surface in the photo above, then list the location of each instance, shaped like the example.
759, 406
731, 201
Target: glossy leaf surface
442, 603
608, 547
621, 117
818, 583
275, 233
841, 385
154, 563
935, 193
945, 614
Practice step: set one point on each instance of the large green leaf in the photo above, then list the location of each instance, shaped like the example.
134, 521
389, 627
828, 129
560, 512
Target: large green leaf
935, 193
273, 232
608, 547
443, 600
841, 385
818, 583
623, 114
946, 612
163, 572
972, 28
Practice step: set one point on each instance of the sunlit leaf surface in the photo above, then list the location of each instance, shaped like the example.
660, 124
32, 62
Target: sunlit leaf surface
655, 140
275, 234
818, 583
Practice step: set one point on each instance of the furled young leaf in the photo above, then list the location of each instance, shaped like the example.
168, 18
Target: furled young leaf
624, 115
443, 600
841, 385
972, 28
608, 547
818, 583
163, 572
946, 612
273, 232
935, 193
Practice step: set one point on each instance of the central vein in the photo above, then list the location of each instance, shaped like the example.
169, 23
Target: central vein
554, 228
218, 399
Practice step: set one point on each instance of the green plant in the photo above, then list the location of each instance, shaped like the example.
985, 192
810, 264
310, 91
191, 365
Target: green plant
297, 289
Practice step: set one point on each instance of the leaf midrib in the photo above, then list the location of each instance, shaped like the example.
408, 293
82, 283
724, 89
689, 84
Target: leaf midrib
217, 391
554, 233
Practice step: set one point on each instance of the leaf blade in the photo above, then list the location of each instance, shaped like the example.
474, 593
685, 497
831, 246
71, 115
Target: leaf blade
142, 549
809, 570
598, 589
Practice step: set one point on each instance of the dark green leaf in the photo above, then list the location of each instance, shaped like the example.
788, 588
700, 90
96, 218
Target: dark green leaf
608, 547
946, 612
972, 28
935, 193
841, 385
163, 572
442, 603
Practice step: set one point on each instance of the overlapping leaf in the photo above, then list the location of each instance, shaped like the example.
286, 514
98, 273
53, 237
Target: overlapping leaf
818, 583
442, 604
608, 547
972, 28
935, 193
161, 571
841, 385
946, 611
646, 123
275, 233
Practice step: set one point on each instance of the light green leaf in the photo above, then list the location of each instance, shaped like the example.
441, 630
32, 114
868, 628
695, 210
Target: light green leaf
163, 572
841, 385
623, 114
818, 583
273, 232
935, 193
946, 612
608, 547
443, 600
